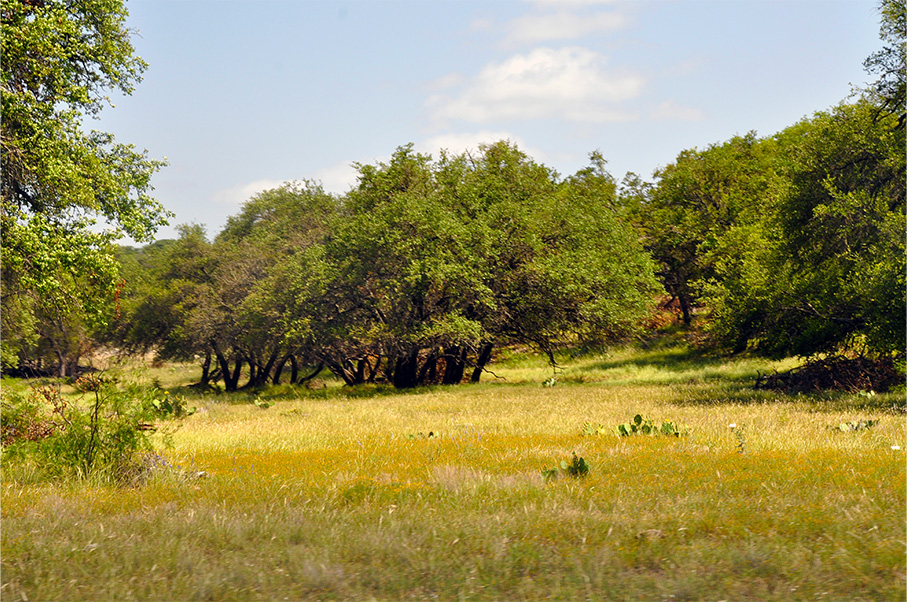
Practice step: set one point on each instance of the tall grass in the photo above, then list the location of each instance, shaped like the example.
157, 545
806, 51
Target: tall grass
342, 494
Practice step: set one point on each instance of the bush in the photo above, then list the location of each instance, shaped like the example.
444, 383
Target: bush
104, 439
21, 417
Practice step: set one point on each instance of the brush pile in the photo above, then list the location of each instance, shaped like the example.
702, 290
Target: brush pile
835, 373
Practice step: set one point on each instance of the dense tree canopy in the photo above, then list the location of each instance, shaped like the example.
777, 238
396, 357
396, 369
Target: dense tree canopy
58, 61
794, 243
411, 278
830, 270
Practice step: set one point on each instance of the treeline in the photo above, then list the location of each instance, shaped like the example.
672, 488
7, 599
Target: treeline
411, 278
791, 244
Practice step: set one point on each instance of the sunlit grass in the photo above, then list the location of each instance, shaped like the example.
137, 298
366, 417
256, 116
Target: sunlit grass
344, 495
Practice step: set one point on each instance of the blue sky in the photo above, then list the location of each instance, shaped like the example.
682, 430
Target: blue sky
241, 95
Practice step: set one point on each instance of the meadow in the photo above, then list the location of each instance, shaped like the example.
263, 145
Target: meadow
457, 493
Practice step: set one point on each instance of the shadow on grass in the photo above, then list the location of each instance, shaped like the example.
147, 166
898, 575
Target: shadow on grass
674, 365
286, 392
671, 359
741, 393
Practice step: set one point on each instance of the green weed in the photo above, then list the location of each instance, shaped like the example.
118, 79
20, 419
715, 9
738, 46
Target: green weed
644, 426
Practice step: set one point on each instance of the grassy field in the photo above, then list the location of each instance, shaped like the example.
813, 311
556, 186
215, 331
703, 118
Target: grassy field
359, 494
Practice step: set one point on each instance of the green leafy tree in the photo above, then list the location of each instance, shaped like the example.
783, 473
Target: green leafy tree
890, 63
165, 304
558, 260
58, 60
440, 261
272, 227
830, 276
692, 213
401, 275
226, 301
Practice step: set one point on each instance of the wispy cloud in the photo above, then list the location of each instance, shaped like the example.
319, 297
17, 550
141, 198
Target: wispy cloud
531, 29
669, 110
338, 178
460, 142
572, 83
241, 193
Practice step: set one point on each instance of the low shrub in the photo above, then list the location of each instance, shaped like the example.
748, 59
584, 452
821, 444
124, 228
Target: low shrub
638, 426
105, 438
577, 468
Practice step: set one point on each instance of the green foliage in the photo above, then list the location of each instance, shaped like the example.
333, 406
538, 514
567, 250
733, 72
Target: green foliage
448, 257
690, 214
856, 425
823, 269
644, 426
102, 437
590, 429
576, 468
22, 417
166, 405
59, 61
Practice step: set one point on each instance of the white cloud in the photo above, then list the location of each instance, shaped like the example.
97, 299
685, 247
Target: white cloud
571, 83
450, 80
561, 26
669, 110
239, 194
338, 178
458, 143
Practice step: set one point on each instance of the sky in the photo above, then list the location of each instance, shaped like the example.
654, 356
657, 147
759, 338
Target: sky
242, 95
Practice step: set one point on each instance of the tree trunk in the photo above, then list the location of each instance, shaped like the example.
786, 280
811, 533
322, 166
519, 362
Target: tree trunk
406, 367
482, 361
454, 365
253, 373
61, 372
429, 371
339, 370
231, 377
362, 367
294, 370
278, 370
206, 369
264, 372
374, 372
685, 308
231, 381
312, 375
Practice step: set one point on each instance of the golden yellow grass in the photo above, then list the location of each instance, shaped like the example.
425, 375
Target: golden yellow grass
345, 496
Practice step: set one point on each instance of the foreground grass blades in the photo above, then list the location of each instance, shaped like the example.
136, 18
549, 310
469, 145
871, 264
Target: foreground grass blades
339, 497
